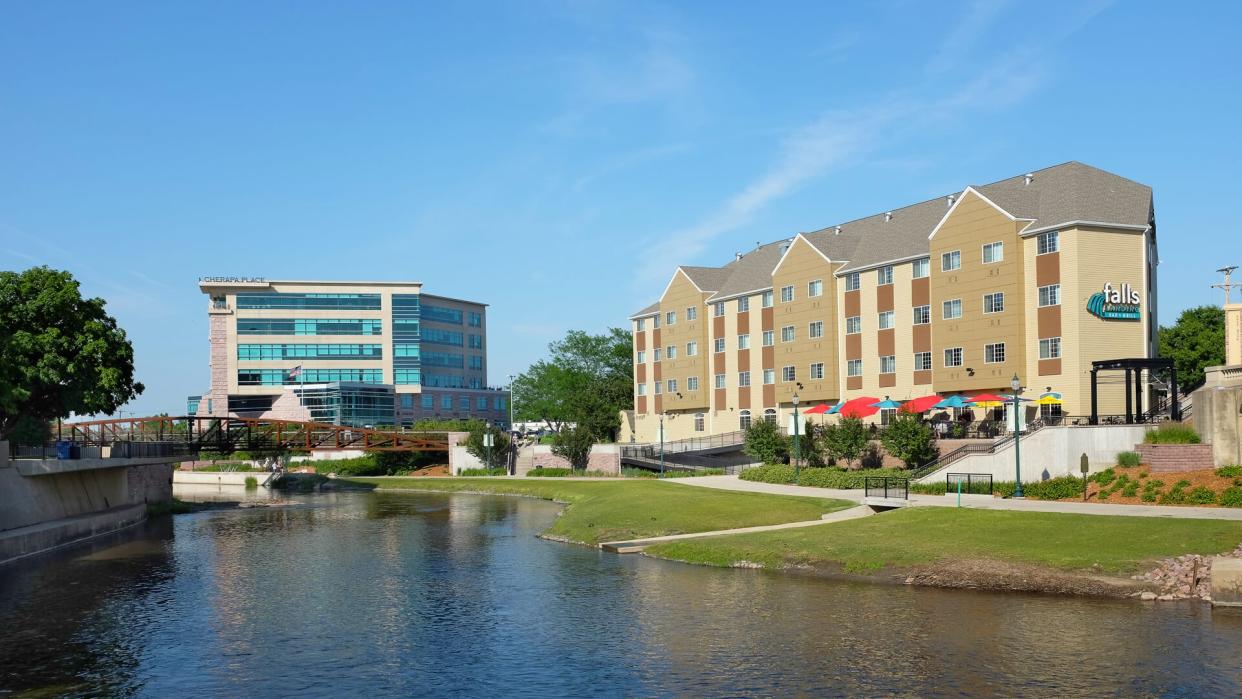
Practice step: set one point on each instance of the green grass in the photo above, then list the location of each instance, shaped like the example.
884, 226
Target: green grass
632, 509
1172, 433
923, 535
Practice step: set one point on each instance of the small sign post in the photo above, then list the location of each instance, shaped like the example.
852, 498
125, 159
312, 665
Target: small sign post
1084, 466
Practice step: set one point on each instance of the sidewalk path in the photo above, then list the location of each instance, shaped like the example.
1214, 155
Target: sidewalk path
1082, 508
636, 545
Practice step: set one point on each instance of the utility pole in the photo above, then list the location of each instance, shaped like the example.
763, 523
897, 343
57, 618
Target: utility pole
1228, 286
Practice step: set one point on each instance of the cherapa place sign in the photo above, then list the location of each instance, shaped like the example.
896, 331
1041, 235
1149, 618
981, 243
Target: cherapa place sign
1121, 303
234, 281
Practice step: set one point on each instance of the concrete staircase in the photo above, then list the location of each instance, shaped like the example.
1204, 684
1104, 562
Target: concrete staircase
1174, 458
525, 461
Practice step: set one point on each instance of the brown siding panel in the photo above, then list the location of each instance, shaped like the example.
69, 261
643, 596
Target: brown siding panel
769, 395
853, 346
640, 373
887, 380
920, 292
887, 342
640, 341
743, 323
718, 400
769, 359
1049, 321
642, 404
1047, 269
1049, 367
922, 378
922, 337
884, 298
853, 303
853, 383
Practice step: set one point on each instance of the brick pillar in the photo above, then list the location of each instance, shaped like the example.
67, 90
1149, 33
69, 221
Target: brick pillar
219, 393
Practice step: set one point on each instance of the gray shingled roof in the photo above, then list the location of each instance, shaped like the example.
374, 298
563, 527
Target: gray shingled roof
651, 310
707, 278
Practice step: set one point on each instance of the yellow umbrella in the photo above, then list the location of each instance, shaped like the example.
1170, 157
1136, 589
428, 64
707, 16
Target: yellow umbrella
1049, 399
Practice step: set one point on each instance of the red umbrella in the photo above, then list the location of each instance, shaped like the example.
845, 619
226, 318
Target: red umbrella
817, 410
860, 407
988, 398
921, 405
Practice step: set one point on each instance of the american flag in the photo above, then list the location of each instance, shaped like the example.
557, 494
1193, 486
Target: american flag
295, 371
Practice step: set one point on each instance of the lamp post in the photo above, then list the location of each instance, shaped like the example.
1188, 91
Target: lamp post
661, 445
1016, 384
796, 445
511, 377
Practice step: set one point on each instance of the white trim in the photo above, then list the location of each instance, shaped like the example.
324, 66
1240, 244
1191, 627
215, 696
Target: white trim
1028, 232
870, 266
713, 299
640, 315
961, 197
791, 247
674, 278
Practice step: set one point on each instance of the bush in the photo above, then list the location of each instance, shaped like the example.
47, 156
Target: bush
638, 473
908, 438
1231, 471
1052, 489
1128, 459
1150, 495
1202, 496
1131, 489
358, 466
476, 472
818, 477
251, 482
1172, 433
227, 467
693, 474
847, 440
1231, 497
765, 443
1104, 495
770, 473
1104, 477
549, 473
574, 445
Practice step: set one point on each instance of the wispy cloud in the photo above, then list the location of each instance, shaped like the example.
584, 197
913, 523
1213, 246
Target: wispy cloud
967, 30
641, 156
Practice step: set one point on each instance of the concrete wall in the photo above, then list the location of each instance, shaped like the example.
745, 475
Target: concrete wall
1051, 452
1218, 413
604, 457
218, 477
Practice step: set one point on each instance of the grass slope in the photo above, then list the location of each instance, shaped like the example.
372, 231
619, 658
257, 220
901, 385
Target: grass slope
620, 510
921, 535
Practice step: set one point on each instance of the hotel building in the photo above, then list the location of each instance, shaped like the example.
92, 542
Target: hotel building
350, 353
1036, 275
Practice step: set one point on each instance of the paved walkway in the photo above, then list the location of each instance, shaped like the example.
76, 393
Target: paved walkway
982, 503
636, 545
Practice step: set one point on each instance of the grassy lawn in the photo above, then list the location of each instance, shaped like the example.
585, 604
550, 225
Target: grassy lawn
920, 535
620, 510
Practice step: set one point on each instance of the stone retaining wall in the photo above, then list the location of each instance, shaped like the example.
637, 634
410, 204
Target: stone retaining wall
1173, 458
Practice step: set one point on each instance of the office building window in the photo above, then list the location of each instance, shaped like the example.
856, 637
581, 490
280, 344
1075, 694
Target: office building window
767, 299
743, 304
642, 356
743, 419
463, 403
884, 275
446, 401
670, 318
670, 352
309, 302
886, 320
429, 401
953, 356
1049, 241
692, 313
692, 348
642, 389
922, 361
280, 377
994, 353
815, 330
851, 282
853, 325
1050, 295
326, 351
436, 336
787, 333
950, 261
817, 370
475, 319
692, 383
476, 362
853, 368
700, 423
720, 380
476, 342
656, 354
743, 342
309, 326
769, 338
789, 374
672, 385
920, 268
1050, 348
743, 378
480, 403
787, 294
994, 303
442, 315
922, 315
888, 365
815, 288
769, 376
993, 252
719, 344
952, 309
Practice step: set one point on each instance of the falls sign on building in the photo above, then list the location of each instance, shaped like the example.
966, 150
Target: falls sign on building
1120, 303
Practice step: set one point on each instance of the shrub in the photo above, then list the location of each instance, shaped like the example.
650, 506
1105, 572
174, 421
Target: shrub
1104, 494
358, 466
1156, 484
1202, 496
638, 473
1144, 474
474, 441
910, 439
227, 467
574, 446
1181, 484
1128, 459
549, 473
251, 482
474, 472
1231, 497
765, 443
1150, 496
840, 478
847, 440
1172, 433
770, 473
693, 474
1131, 489
1175, 496
1231, 471
1054, 488
1104, 477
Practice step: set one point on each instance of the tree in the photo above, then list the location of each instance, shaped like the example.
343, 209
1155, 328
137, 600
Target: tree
1194, 342
474, 442
846, 441
908, 438
764, 442
59, 353
587, 380
574, 445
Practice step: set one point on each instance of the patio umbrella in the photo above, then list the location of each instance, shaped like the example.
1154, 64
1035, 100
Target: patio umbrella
921, 405
860, 407
835, 409
1009, 399
988, 400
817, 410
887, 404
954, 402
1049, 399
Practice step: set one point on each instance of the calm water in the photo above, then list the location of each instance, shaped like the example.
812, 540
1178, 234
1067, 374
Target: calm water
400, 595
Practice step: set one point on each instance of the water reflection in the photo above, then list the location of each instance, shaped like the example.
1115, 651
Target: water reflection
402, 594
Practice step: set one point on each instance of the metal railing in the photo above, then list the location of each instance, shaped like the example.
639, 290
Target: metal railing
886, 487
970, 483
121, 449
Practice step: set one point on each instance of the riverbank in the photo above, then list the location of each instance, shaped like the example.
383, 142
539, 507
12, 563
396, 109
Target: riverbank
612, 510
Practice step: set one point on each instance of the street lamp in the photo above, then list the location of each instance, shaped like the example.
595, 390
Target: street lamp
1016, 384
797, 445
511, 377
661, 445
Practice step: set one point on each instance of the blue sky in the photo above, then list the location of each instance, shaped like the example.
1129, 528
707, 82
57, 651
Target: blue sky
557, 160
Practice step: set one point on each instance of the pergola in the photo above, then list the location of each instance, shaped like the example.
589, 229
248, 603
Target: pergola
1134, 398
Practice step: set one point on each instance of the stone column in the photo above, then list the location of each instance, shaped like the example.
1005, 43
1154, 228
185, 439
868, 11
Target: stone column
1233, 334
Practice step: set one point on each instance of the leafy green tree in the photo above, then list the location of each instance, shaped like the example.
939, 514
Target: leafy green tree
574, 445
1194, 342
764, 442
908, 438
59, 353
846, 441
587, 381
474, 442
811, 444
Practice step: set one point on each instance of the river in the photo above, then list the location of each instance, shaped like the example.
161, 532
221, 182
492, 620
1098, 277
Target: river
403, 594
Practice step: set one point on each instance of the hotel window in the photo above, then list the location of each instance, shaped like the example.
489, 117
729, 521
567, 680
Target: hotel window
787, 294
656, 354
659, 387
1050, 412
769, 376
1050, 348
888, 365
887, 415
670, 318
994, 303
670, 352
672, 385
815, 330
692, 348
769, 338
769, 416
994, 353
743, 304
743, 419
429, 401
853, 325
655, 321
817, 370
815, 288
922, 315
953, 356
886, 320
743, 342
692, 383
853, 368
950, 261
1050, 295
789, 374
993, 252
787, 333
743, 378
1049, 241
952, 309
718, 309
851, 282
692, 313
699, 423
719, 344
767, 299
720, 380
922, 361
884, 275
642, 324
642, 356
921, 268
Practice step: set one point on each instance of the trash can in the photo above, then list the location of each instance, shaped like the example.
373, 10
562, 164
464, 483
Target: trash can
64, 449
